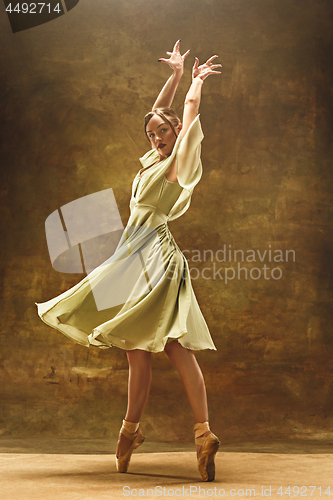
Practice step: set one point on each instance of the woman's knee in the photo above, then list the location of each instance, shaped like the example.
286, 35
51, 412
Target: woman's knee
137, 356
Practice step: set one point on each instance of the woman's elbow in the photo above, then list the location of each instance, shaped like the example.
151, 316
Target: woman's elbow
192, 101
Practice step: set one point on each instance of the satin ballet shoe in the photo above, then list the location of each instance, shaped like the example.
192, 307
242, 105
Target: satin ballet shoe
210, 445
137, 438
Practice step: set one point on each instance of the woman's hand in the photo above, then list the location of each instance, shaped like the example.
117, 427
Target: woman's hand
205, 69
176, 61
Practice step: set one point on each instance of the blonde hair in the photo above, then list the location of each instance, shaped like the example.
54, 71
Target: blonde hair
173, 120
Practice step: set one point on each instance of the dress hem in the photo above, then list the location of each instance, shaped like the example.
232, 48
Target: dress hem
105, 346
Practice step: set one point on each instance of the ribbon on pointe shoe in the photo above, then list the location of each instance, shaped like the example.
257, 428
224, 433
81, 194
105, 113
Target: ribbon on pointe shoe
210, 444
132, 431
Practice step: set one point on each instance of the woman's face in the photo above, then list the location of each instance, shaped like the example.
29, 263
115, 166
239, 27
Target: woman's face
161, 135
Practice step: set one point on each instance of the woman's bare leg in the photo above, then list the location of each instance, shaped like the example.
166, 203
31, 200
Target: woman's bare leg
192, 378
139, 380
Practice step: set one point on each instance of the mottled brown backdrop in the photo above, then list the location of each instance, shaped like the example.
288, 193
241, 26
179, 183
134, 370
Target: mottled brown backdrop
73, 94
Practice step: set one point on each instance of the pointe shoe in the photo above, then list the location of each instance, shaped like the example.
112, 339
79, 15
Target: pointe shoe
210, 444
137, 438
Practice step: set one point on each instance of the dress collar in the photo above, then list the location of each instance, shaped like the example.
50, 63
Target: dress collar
149, 158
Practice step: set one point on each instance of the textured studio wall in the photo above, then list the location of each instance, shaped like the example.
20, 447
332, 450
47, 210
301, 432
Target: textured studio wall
73, 95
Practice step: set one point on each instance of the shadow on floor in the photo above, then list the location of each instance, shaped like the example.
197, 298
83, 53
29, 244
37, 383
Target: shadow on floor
55, 445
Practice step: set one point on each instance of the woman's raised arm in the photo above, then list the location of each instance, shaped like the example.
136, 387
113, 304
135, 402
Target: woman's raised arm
192, 102
193, 96
176, 63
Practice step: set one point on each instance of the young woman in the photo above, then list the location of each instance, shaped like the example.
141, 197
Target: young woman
141, 299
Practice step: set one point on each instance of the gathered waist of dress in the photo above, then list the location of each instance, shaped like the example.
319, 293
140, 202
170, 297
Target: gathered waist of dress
149, 214
155, 220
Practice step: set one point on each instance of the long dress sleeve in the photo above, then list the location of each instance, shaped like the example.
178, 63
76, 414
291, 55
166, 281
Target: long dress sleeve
189, 167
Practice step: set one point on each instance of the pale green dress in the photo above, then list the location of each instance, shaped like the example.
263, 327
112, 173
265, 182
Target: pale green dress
142, 296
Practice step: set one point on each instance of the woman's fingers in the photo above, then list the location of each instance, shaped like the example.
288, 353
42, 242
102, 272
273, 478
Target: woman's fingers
209, 61
175, 53
176, 60
176, 46
211, 71
208, 72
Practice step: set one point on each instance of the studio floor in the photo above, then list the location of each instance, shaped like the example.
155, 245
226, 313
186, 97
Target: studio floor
82, 476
